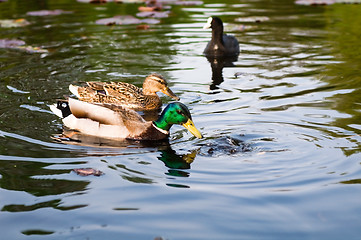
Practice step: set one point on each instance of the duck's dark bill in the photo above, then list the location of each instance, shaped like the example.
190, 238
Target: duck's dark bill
170, 94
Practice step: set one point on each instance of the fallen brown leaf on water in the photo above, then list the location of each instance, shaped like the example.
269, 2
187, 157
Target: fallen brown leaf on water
11, 43
153, 14
147, 9
20, 45
47, 12
125, 20
118, 20
315, 2
143, 27
87, 172
181, 2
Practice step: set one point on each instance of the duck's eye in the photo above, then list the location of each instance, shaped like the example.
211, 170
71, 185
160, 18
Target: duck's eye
180, 112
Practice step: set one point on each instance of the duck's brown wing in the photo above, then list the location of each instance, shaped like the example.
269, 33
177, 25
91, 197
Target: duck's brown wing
131, 119
123, 90
97, 86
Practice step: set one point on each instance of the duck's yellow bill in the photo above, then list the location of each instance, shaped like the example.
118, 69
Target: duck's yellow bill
169, 92
190, 126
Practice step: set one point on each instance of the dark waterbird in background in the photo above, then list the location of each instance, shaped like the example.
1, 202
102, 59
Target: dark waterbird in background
221, 45
116, 122
221, 51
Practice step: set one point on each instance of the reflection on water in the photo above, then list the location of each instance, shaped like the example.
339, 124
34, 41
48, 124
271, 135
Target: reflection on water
217, 65
167, 155
281, 153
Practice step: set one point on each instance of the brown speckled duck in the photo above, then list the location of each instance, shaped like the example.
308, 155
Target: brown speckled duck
125, 94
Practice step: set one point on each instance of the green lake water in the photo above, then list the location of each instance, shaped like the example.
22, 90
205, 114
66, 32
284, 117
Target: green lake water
280, 157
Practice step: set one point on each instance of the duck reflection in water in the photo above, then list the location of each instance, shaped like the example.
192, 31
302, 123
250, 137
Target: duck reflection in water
168, 156
221, 51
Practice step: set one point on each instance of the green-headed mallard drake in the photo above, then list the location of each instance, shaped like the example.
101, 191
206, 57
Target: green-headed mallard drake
116, 122
125, 94
221, 45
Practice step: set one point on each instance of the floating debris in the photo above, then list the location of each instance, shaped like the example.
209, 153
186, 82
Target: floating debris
256, 19
10, 23
153, 14
125, 20
106, 1
143, 27
151, 5
181, 2
87, 172
315, 2
93, 1
325, 2
11, 43
48, 12
119, 20
20, 45
130, 1
31, 49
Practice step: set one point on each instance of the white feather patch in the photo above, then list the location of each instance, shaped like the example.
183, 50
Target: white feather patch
208, 24
56, 111
74, 90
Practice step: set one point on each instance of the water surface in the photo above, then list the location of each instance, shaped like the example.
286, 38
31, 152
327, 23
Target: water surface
281, 153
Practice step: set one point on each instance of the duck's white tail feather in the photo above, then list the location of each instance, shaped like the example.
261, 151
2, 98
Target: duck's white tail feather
56, 111
74, 90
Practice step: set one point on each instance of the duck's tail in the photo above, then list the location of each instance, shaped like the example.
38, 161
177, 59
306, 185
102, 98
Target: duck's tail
61, 108
74, 90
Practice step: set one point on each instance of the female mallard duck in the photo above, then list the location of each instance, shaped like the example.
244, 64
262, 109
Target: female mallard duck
125, 94
116, 122
221, 45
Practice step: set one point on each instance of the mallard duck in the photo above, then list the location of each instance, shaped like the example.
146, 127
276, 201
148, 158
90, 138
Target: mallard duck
221, 45
125, 94
116, 122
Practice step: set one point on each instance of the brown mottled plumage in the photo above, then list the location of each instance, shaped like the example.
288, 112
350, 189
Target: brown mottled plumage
126, 94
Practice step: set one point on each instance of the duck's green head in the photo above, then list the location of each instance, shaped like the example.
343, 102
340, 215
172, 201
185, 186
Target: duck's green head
177, 113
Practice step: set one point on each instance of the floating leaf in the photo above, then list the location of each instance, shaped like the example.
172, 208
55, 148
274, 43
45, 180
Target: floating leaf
10, 43
180, 2
87, 171
148, 9
93, 1
131, 1
143, 27
119, 20
9, 23
20, 45
47, 12
324, 2
315, 2
31, 49
151, 5
150, 21
253, 19
153, 14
